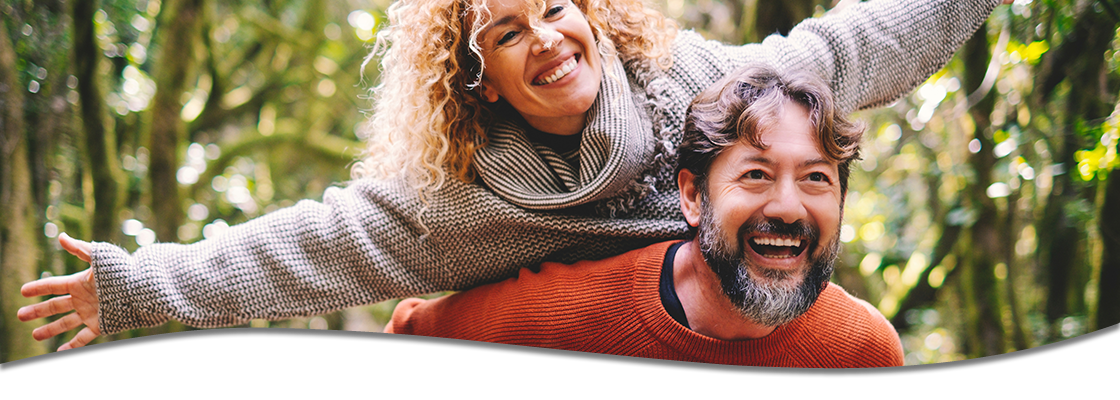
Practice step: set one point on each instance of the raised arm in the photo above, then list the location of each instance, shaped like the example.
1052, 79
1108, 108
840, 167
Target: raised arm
873, 52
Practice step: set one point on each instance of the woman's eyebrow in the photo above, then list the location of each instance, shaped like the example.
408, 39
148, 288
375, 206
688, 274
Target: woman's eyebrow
501, 21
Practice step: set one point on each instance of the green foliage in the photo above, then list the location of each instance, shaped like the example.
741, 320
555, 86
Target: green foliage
1030, 53
1098, 162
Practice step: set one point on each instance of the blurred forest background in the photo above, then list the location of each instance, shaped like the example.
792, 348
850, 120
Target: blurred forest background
982, 219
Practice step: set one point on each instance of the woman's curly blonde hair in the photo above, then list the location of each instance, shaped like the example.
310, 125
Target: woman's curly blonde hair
427, 119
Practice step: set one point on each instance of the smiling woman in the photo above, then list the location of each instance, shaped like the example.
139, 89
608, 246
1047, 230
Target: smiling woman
548, 68
434, 67
504, 133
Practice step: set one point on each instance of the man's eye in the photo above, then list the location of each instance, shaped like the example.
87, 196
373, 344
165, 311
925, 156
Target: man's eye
818, 177
755, 174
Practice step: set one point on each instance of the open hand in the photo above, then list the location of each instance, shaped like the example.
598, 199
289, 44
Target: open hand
81, 298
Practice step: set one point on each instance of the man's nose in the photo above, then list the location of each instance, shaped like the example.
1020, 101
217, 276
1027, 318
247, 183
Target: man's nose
785, 203
546, 39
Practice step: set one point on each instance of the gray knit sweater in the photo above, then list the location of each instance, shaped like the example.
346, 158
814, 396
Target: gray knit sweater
364, 243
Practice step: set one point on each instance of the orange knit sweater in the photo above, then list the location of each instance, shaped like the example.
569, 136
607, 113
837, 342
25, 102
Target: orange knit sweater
613, 306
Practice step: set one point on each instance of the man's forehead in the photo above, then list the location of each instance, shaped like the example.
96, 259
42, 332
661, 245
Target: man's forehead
805, 154
796, 150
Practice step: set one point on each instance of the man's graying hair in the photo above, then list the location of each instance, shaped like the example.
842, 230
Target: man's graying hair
743, 103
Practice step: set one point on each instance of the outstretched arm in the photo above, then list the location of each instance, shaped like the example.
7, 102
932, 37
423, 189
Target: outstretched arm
881, 50
80, 297
361, 245
871, 53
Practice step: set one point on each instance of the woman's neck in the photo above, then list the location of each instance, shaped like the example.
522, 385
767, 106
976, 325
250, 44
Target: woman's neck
561, 144
561, 126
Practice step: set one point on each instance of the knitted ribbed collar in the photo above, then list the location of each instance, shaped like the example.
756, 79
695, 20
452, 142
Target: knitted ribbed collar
804, 342
617, 146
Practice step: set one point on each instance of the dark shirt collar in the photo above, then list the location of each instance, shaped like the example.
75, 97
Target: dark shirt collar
669, 298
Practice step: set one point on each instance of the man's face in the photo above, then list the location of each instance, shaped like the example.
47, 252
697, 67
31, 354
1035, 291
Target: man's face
769, 220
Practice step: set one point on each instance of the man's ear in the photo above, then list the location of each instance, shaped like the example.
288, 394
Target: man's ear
690, 197
487, 93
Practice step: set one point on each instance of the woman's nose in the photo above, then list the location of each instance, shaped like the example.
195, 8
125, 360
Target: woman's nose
547, 39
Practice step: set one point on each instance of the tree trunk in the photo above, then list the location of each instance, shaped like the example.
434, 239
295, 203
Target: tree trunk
1058, 236
101, 148
181, 19
19, 253
1108, 304
1080, 62
982, 256
1017, 325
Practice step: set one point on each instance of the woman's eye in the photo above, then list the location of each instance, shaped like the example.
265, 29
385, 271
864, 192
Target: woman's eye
755, 174
507, 37
553, 11
818, 177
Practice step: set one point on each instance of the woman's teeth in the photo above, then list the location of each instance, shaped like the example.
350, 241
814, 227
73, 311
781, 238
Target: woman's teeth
560, 72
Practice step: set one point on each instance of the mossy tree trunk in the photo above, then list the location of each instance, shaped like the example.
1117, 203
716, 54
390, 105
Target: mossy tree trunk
1108, 304
100, 142
982, 294
19, 251
181, 21
1078, 63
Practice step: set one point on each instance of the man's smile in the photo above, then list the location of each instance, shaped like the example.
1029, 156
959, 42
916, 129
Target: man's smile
774, 247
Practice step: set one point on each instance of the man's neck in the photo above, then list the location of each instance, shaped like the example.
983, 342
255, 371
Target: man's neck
709, 312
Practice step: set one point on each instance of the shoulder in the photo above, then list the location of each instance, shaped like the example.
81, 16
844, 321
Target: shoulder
854, 331
535, 305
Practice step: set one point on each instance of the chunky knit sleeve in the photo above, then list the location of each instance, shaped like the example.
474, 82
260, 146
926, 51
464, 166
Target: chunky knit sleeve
361, 244
307, 259
872, 53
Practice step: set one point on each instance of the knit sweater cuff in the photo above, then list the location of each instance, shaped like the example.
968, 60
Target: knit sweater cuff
122, 291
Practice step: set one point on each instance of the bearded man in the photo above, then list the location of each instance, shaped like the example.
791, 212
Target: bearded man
763, 172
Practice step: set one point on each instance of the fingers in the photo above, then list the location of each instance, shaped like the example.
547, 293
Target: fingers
57, 305
70, 321
52, 285
45, 286
78, 248
81, 339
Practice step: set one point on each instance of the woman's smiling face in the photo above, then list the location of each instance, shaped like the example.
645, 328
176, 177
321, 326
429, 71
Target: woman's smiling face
549, 73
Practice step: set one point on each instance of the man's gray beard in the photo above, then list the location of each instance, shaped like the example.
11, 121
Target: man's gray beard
773, 301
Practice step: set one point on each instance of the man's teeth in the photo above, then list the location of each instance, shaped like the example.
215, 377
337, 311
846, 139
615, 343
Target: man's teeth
561, 72
766, 241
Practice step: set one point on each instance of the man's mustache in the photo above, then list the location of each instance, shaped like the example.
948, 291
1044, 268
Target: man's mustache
774, 227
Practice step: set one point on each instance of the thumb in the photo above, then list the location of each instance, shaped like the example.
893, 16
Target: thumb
78, 248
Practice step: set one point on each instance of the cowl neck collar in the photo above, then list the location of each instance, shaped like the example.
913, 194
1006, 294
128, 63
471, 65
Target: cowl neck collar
617, 146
